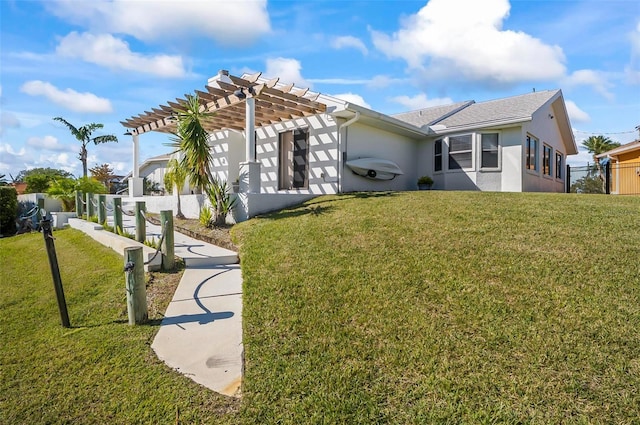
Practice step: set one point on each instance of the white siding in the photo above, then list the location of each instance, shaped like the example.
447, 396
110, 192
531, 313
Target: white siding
323, 154
363, 141
546, 130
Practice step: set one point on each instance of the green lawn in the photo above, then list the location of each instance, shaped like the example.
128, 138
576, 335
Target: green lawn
443, 307
101, 371
421, 307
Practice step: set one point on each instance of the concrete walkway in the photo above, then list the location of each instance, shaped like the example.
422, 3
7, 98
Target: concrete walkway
201, 333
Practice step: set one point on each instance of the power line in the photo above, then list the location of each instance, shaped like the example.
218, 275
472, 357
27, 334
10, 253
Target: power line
605, 132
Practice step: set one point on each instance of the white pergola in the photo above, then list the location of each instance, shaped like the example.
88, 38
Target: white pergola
236, 103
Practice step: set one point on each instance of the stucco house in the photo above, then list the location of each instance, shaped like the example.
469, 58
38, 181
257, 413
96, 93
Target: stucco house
153, 169
624, 167
285, 145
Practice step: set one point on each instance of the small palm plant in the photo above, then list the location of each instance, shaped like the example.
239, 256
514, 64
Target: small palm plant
175, 176
222, 200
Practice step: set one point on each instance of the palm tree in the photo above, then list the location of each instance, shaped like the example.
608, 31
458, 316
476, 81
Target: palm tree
193, 140
597, 145
175, 177
83, 134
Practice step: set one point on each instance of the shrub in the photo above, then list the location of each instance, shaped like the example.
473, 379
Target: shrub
206, 217
8, 209
426, 180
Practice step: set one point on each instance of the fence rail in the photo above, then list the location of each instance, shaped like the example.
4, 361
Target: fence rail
615, 179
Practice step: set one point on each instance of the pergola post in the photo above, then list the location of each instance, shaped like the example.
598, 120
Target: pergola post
136, 185
250, 169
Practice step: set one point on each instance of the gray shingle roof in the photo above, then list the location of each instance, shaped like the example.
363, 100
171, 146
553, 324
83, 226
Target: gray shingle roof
465, 114
500, 110
427, 116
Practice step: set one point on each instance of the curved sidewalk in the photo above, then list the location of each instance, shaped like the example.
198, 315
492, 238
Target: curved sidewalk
201, 333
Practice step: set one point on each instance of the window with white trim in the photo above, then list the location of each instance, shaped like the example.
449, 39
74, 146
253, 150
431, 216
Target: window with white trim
437, 156
489, 157
460, 152
531, 153
546, 160
559, 165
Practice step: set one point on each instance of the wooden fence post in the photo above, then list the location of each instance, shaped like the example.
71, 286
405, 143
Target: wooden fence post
79, 209
90, 209
168, 251
102, 208
141, 226
40, 216
117, 216
135, 285
55, 272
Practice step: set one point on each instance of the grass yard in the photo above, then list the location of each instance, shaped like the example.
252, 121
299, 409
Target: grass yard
402, 308
101, 371
443, 307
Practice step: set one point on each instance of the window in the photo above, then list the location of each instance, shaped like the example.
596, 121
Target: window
531, 153
546, 160
460, 152
559, 165
293, 170
437, 156
489, 150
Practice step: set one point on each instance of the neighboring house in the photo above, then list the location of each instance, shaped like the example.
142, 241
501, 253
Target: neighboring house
284, 144
153, 170
624, 165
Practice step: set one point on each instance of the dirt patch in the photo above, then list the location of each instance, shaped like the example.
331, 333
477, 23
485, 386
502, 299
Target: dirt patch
219, 236
161, 286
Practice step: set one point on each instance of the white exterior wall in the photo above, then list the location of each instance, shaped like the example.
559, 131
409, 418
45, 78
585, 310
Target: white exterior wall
189, 204
546, 130
154, 172
363, 141
512, 159
227, 151
323, 154
506, 178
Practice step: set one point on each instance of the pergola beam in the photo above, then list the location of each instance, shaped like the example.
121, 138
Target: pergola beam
273, 104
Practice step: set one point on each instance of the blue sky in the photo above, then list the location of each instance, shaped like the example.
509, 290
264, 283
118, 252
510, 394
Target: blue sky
105, 61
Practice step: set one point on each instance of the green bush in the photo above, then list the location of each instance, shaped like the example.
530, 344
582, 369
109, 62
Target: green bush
8, 210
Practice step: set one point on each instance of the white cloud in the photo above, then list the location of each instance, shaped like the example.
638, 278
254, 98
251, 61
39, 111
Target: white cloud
588, 77
227, 22
353, 98
6, 149
8, 120
348, 41
575, 113
420, 101
382, 81
50, 143
466, 37
114, 53
632, 70
70, 99
288, 70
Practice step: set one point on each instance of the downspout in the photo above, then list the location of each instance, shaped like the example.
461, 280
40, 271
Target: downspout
342, 151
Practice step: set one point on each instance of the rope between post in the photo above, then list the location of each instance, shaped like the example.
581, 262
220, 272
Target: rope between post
130, 214
164, 232
31, 213
106, 207
146, 219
